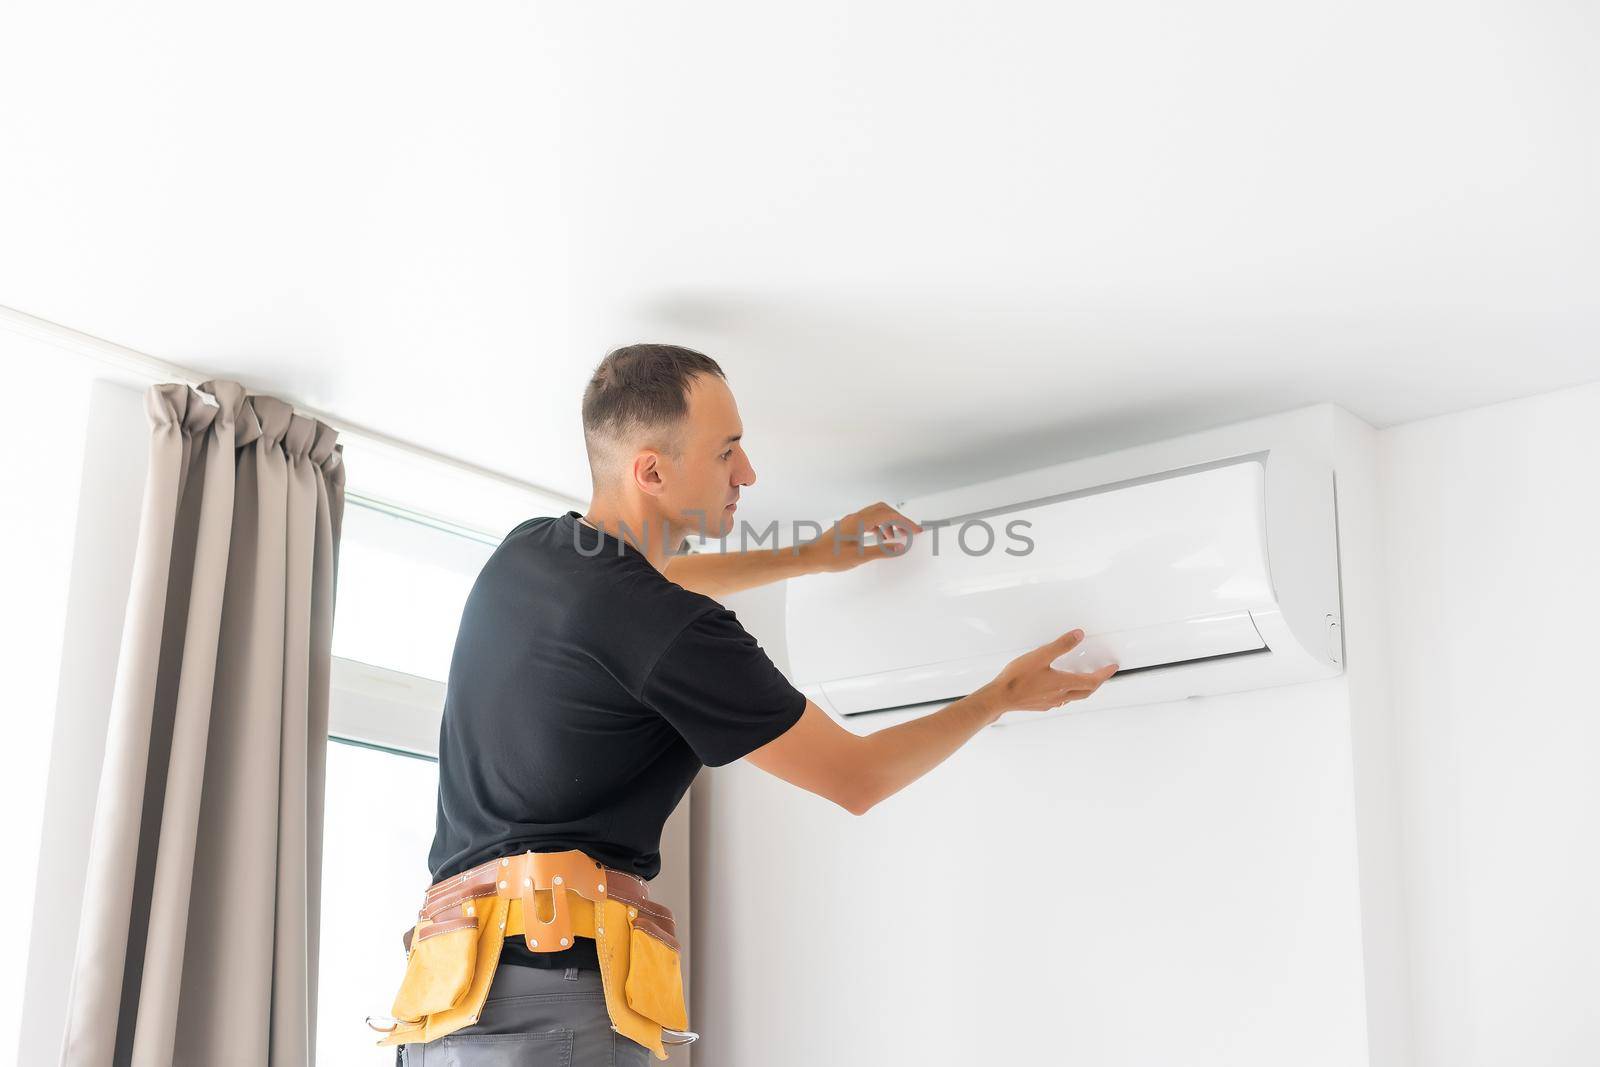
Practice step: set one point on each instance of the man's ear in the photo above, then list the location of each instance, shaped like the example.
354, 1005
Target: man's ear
647, 474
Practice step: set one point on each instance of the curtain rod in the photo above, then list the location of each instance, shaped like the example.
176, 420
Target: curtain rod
149, 368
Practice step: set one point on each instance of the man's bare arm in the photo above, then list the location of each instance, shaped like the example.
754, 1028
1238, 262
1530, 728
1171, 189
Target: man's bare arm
716, 574
856, 772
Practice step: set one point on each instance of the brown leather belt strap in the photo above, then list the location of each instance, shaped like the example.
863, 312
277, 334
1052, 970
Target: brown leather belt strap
519, 877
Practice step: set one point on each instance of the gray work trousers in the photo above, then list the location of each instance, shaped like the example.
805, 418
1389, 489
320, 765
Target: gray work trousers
534, 1017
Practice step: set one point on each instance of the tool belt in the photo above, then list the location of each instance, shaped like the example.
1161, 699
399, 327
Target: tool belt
551, 899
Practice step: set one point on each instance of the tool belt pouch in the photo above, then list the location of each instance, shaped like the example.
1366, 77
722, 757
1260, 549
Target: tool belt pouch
450, 964
438, 968
639, 964
654, 986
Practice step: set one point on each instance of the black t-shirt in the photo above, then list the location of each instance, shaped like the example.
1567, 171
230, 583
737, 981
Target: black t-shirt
586, 691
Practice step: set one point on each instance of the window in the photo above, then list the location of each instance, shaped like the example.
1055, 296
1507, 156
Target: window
402, 583
403, 580
379, 815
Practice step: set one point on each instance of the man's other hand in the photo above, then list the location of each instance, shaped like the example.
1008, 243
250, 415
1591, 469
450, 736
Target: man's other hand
1029, 683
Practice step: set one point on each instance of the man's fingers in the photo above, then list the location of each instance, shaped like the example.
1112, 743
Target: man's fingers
880, 520
1093, 678
892, 529
881, 513
1065, 643
895, 518
1098, 675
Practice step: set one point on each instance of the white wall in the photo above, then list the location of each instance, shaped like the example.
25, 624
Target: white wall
1401, 859
110, 489
1174, 884
1492, 527
42, 439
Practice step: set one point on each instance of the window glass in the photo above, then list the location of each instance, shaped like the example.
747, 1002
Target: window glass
402, 585
379, 825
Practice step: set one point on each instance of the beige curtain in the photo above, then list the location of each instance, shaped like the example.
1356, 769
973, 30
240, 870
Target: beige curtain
198, 938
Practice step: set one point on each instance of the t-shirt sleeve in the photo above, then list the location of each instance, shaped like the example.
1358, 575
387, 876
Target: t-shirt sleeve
720, 691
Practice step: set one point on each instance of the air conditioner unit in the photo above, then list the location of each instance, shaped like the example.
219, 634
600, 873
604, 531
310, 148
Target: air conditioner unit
1213, 578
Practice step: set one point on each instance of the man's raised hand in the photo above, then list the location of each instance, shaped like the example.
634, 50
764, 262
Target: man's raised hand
843, 545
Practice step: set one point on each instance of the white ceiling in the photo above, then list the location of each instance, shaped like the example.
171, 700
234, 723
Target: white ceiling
929, 242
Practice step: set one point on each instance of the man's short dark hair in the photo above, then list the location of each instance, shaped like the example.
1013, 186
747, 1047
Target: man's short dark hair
637, 389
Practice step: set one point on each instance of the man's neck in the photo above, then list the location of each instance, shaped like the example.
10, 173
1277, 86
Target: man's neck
647, 534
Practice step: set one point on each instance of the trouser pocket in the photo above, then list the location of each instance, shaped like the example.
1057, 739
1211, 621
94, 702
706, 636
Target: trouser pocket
551, 1048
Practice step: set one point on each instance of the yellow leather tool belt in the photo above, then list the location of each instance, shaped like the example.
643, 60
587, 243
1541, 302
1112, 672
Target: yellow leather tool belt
551, 899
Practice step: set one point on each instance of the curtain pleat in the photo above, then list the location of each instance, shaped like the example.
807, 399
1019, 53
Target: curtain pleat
197, 942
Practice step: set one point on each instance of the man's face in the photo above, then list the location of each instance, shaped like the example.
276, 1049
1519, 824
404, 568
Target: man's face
712, 467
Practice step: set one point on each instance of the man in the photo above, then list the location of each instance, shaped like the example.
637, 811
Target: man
594, 675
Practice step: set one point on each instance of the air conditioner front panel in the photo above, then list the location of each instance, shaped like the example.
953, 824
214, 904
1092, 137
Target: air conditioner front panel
1150, 561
